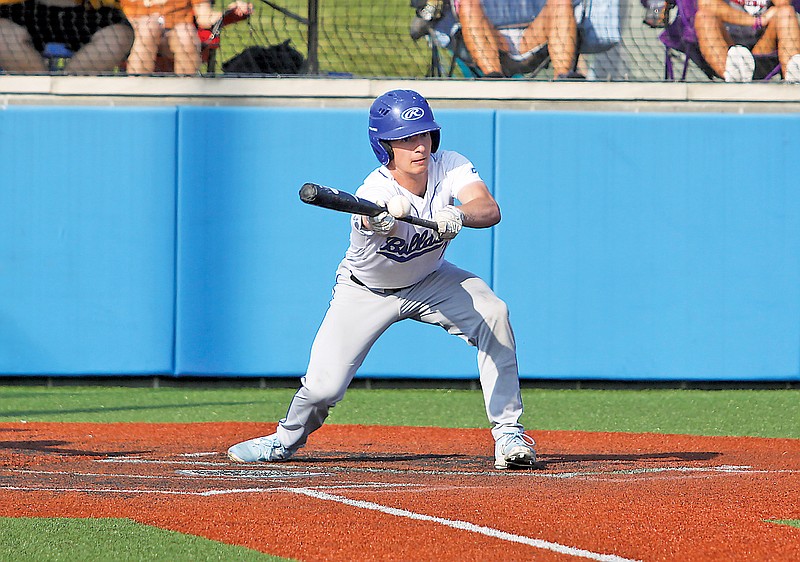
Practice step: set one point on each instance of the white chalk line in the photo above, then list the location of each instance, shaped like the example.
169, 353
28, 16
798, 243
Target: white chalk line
317, 492
463, 526
343, 486
724, 469
137, 491
138, 460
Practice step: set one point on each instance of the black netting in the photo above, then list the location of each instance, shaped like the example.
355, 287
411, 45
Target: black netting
364, 38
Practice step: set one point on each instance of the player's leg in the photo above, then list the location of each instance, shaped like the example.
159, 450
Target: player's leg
355, 319
466, 307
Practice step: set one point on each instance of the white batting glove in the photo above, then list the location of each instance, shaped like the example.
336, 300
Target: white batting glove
381, 223
450, 220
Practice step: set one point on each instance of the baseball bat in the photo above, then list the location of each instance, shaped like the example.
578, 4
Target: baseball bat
330, 198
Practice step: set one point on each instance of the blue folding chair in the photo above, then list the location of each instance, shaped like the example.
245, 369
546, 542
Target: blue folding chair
680, 42
56, 55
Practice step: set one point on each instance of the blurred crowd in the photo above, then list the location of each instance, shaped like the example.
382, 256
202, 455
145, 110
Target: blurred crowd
731, 40
97, 36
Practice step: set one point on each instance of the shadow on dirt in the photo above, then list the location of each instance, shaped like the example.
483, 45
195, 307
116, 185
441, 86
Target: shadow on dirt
361, 458
679, 456
56, 448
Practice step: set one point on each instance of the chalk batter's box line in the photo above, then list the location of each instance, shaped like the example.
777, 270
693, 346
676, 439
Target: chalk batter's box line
284, 476
319, 493
736, 469
362, 505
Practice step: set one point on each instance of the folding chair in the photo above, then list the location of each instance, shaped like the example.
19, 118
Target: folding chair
598, 31
56, 55
680, 42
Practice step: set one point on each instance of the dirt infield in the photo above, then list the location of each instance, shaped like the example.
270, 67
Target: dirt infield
390, 493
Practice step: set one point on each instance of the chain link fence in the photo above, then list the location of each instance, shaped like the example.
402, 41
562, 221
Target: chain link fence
353, 38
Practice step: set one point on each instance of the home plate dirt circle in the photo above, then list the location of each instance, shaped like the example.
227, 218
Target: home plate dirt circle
403, 493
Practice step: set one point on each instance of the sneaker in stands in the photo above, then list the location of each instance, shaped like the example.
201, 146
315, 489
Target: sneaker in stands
792, 72
740, 65
260, 449
514, 450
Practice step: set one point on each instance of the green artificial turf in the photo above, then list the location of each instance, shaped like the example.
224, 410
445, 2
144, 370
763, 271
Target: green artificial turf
790, 522
759, 413
112, 540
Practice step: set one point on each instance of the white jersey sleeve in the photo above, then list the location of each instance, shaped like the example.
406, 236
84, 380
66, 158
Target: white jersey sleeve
410, 253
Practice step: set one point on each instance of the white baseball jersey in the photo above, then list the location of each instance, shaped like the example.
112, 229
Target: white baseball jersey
410, 253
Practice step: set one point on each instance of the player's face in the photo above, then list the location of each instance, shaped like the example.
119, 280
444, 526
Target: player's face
412, 154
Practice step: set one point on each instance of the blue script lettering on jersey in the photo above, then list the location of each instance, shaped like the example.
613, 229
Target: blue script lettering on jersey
399, 250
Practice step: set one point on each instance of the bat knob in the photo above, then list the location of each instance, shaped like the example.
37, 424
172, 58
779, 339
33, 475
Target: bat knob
308, 192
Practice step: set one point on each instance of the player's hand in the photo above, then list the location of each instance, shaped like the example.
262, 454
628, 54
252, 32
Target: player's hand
450, 220
381, 223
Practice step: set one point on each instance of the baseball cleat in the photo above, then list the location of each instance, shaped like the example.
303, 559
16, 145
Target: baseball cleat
514, 450
260, 449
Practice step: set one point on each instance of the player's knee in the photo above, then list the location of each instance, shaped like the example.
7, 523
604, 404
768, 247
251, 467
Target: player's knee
324, 392
495, 310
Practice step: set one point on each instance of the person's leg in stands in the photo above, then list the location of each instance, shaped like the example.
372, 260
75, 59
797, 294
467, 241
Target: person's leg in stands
185, 46
481, 37
107, 49
712, 37
17, 53
782, 32
556, 26
148, 30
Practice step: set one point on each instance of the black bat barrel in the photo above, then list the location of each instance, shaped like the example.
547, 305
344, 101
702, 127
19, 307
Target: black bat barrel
329, 198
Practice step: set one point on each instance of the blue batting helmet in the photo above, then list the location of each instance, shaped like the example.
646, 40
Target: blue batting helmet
396, 115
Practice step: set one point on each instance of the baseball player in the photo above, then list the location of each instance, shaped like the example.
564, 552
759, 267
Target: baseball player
393, 271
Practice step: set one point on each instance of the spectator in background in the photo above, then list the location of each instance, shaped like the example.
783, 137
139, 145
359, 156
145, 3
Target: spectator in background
96, 31
730, 32
504, 37
166, 31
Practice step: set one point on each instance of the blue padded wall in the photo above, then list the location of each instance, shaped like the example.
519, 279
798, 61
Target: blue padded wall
173, 241
651, 246
87, 205
256, 266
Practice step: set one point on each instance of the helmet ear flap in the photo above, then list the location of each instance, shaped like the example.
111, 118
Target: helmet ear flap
388, 148
436, 136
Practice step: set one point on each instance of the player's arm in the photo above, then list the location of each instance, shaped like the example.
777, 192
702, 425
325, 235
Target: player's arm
478, 206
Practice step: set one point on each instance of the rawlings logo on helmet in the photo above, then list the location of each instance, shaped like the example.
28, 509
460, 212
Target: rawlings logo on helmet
412, 114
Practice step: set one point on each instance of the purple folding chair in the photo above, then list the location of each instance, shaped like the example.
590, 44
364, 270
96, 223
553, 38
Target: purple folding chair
679, 36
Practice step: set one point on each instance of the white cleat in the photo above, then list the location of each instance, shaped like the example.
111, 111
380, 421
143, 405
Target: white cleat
514, 450
260, 449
